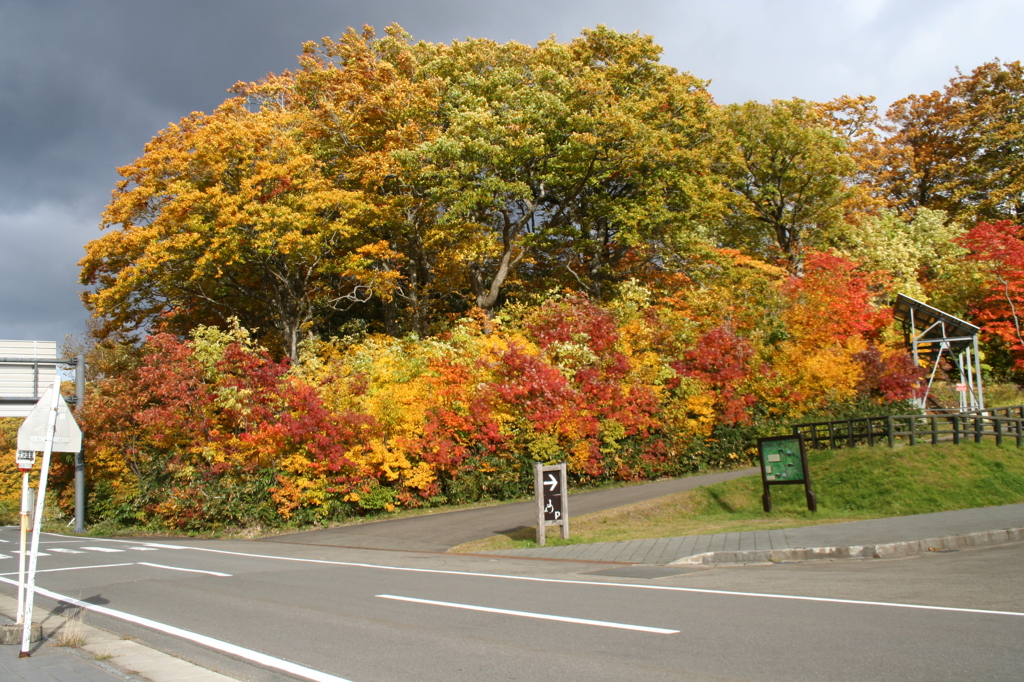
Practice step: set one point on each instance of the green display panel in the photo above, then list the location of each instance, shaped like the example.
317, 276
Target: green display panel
782, 460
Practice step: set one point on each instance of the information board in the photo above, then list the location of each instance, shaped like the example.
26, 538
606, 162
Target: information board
784, 462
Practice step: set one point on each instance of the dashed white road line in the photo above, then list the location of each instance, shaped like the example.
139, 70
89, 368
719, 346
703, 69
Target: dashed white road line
64, 550
528, 614
188, 570
102, 549
595, 585
69, 568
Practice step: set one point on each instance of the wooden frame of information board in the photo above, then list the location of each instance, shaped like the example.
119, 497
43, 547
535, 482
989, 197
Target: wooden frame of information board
551, 487
784, 462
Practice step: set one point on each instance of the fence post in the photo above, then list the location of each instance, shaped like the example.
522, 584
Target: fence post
956, 429
935, 431
888, 431
1020, 441
871, 433
913, 430
998, 423
978, 429
831, 436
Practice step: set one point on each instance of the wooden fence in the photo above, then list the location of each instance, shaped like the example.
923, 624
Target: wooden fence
1000, 423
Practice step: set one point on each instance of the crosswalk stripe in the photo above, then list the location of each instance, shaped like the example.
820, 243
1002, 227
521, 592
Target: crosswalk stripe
62, 550
103, 549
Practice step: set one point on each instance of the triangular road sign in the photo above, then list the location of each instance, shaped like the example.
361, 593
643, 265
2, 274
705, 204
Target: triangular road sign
32, 433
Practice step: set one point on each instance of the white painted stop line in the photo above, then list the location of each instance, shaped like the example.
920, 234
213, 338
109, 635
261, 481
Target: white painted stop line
542, 616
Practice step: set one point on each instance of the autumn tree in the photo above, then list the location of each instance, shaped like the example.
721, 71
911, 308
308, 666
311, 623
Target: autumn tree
999, 249
230, 214
562, 156
959, 149
789, 180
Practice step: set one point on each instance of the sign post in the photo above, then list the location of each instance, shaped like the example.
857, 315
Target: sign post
51, 426
552, 499
26, 459
784, 462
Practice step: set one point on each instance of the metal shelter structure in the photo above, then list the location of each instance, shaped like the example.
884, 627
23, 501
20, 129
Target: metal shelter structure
931, 333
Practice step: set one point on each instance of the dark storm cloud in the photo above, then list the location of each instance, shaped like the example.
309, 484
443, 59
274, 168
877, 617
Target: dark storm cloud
85, 84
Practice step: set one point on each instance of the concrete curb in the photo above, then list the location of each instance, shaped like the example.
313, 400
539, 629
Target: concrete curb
882, 551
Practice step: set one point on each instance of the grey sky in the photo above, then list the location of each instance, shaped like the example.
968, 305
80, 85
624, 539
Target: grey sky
84, 84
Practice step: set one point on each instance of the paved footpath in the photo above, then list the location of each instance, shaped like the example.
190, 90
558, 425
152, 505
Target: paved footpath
896, 536
440, 532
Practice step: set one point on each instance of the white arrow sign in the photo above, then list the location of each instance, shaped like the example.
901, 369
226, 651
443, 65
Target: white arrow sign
32, 434
551, 483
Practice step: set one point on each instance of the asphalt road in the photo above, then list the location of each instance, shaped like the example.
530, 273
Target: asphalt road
366, 615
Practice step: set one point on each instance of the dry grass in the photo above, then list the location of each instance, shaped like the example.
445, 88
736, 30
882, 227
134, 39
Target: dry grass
670, 516
70, 634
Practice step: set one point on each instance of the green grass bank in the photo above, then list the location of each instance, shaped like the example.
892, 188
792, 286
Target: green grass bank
850, 484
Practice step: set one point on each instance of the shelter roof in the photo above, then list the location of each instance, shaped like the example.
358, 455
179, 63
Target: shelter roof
932, 323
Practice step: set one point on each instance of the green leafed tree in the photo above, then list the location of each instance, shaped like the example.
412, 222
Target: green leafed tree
789, 180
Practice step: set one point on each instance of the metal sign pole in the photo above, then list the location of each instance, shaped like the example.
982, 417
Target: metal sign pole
26, 504
80, 455
33, 558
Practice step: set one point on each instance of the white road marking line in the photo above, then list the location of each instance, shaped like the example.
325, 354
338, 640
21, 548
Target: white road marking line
63, 550
2, 540
71, 568
226, 647
29, 553
667, 588
143, 549
528, 614
102, 549
190, 570
4, 556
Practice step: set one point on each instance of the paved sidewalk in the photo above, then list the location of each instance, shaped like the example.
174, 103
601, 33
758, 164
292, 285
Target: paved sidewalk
100, 656
896, 536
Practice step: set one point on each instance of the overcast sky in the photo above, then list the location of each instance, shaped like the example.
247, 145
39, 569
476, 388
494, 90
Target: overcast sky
85, 84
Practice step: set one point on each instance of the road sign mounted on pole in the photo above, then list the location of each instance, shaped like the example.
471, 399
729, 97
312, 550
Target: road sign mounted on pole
32, 433
552, 499
52, 407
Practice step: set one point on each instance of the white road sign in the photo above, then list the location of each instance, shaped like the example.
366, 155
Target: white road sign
32, 433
